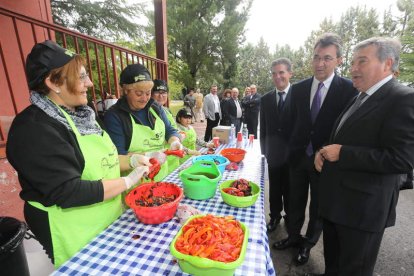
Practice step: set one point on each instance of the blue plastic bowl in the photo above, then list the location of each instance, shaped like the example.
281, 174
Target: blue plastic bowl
220, 160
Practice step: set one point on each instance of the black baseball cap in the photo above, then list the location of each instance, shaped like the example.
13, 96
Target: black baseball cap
184, 112
43, 58
160, 85
134, 73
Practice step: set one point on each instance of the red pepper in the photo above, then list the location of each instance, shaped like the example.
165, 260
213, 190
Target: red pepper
154, 168
178, 153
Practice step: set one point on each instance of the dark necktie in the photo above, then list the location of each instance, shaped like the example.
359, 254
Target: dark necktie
315, 107
316, 103
281, 101
351, 110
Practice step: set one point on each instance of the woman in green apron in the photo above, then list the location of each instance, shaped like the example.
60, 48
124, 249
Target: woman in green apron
189, 136
136, 123
68, 167
160, 95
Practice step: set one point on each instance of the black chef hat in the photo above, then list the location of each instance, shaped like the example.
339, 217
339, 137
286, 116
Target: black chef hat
160, 85
134, 73
183, 112
43, 58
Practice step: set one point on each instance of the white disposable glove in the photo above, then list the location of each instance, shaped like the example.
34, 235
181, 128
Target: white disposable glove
134, 176
176, 145
139, 160
193, 152
210, 145
160, 156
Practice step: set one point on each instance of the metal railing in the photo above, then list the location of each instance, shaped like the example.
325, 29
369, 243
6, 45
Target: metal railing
104, 60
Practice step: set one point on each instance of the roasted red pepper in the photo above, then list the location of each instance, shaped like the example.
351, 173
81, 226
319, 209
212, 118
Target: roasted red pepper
215, 238
154, 168
178, 153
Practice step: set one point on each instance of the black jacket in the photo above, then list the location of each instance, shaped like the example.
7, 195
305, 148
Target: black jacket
49, 162
361, 189
273, 141
299, 124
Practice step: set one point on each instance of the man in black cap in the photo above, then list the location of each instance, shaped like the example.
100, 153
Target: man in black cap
136, 123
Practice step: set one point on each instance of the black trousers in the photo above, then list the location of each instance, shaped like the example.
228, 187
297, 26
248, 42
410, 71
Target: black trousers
349, 251
278, 190
38, 221
210, 125
252, 120
302, 177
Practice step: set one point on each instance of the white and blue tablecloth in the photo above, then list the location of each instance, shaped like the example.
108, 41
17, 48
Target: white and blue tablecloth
128, 247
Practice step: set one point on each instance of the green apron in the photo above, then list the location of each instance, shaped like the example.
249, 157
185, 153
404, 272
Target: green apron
189, 142
72, 228
144, 139
172, 160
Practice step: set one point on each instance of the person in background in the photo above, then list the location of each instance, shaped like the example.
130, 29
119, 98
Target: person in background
251, 106
273, 142
371, 145
198, 109
189, 102
225, 108
67, 165
136, 123
233, 110
189, 136
160, 94
246, 95
212, 112
315, 105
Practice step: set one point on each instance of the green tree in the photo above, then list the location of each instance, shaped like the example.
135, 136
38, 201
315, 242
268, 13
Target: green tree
406, 33
203, 36
254, 66
106, 19
356, 24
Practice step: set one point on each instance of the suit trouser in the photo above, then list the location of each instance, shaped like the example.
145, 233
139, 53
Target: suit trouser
302, 176
252, 120
209, 128
278, 190
349, 251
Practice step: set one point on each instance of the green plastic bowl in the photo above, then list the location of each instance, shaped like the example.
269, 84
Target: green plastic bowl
205, 267
200, 180
239, 201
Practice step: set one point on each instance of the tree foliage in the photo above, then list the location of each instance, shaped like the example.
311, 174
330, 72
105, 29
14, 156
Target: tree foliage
203, 36
106, 19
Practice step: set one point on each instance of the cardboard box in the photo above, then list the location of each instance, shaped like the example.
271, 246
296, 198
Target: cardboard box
223, 132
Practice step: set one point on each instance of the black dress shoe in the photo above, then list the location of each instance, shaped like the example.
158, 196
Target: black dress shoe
285, 243
303, 256
272, 225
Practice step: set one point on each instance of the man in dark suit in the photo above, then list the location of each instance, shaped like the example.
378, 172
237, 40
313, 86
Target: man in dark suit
232, 110
251, 106
315, 104
371, 145
273, 143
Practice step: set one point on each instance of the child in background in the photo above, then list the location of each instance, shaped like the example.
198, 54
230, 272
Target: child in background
189, 136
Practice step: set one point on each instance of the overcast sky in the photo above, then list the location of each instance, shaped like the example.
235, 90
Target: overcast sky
291, 21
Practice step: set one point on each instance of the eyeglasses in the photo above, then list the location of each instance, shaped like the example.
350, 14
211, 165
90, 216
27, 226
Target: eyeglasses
325, 59
84, 77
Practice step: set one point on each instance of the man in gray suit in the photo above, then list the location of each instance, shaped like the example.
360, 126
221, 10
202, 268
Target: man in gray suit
212, 111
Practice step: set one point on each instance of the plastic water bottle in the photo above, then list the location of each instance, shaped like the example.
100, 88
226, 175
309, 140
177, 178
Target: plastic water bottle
232, 137
245, 132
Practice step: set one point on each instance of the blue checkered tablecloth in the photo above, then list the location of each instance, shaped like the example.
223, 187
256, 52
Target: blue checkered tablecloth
128, 247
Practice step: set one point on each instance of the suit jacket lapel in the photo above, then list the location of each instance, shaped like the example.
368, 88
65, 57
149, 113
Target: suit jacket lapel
330, 94
371, 103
